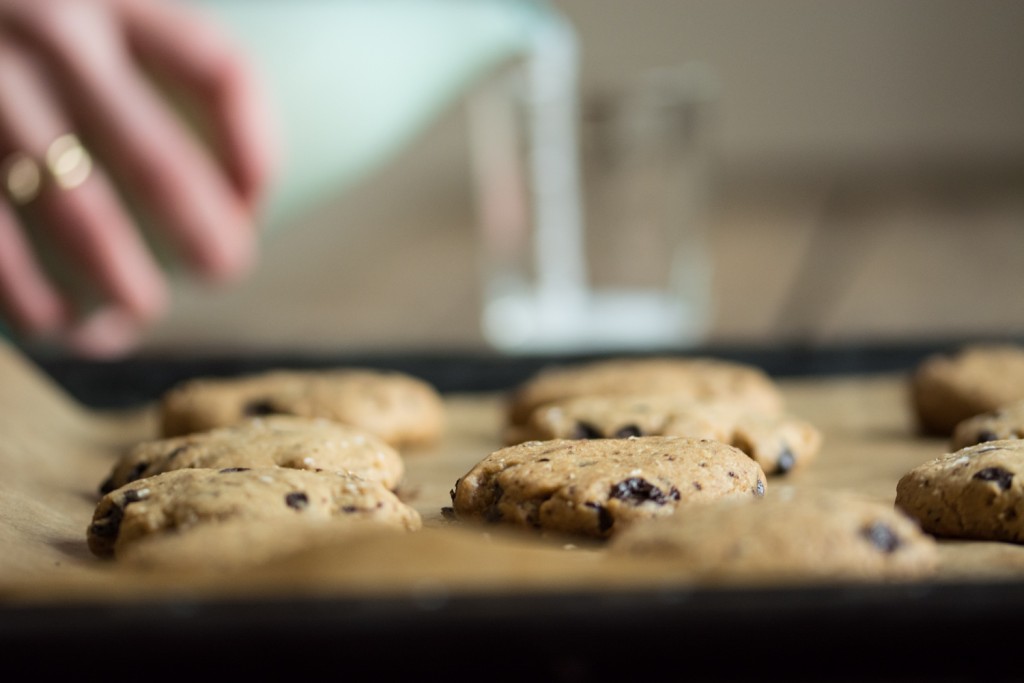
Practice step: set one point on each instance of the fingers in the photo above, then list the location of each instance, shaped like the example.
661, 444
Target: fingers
27, 298
106, 333
85, 222
212, 68
142, 142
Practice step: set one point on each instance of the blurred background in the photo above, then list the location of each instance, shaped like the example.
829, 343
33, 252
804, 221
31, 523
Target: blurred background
866, 175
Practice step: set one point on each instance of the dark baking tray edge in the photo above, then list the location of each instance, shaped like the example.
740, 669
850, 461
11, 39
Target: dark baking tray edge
903, 632
123, 383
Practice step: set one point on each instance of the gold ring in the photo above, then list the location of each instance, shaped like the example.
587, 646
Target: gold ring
21, 177
68, 162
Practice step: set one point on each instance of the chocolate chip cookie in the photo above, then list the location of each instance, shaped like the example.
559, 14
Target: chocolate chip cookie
597, 487
949, 388
272, 441
179, 500
241, 543
975, 492
1004, 423
693, 378
400, 409
811, 536
779, 443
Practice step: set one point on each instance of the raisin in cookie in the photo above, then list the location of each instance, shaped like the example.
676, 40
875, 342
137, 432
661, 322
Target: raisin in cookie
975, 492
779, 443
276, 440
1004, 423
181, 499
947, 389
596, 487
810, 536
694, 378
398, 408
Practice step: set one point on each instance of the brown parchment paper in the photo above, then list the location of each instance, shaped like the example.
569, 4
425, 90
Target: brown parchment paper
54, 453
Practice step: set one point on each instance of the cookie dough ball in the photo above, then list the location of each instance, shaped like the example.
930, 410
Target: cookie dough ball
807, 537
241, 543
975, 492
596, 488
693, 378
400, 409
1005, 423
947, 389
779, 443
180, 500
273, 441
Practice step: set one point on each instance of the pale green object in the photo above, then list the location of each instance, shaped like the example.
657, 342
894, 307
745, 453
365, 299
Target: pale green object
354, 81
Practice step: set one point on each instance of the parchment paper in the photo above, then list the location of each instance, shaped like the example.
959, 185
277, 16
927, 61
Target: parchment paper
54, 453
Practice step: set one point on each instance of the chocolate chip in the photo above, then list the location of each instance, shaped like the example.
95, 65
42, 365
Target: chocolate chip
786, 460
628, 431
107, 486
135, 495
605, 521
233, 469
259, 406
137, 472
585, 431
544, 460
109, 525
987, 435
297, 500
448, 513
759, 491
176, 452
349, 509
1001, 477
493, 513
881, 536
636, 490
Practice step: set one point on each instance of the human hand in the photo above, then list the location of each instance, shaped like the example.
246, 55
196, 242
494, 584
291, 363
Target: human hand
75, 70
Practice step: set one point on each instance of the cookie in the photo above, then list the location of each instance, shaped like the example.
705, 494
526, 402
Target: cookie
816, 536
949, 388
779, 443
693, 378
238, 544
595, 488
976, 492
272, 441
1004, 423
179, 500
400, 409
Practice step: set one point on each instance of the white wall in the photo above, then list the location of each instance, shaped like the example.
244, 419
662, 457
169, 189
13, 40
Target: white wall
831, 80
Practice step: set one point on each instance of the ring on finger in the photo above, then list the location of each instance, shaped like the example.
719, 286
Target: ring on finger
68, 161
22, 178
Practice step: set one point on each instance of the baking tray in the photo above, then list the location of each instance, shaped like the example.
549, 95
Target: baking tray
948, 629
